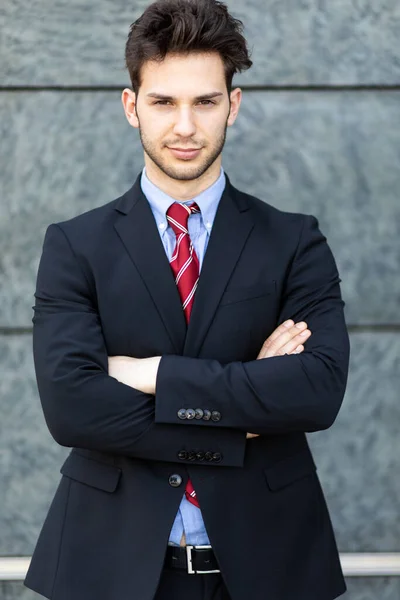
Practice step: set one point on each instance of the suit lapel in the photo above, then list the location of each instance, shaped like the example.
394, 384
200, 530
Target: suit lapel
138, 231
231, 229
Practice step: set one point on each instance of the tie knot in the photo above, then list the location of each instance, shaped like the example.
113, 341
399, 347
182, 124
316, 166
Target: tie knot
178, 214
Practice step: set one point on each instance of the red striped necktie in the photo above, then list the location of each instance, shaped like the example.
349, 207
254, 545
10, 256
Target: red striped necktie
185, 266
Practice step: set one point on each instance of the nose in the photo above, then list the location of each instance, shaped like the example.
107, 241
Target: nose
184, 124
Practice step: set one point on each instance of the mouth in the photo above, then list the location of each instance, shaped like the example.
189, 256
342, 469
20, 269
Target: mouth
185, 153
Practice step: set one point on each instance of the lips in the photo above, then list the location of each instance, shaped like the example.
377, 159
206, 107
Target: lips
185, 153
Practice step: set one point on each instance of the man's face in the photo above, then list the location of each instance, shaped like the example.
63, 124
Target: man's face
182, 111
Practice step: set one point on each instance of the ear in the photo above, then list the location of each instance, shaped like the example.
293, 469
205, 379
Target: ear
129, 103
236, 98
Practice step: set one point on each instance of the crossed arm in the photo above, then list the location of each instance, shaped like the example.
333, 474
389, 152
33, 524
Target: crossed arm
141, 373
86, 406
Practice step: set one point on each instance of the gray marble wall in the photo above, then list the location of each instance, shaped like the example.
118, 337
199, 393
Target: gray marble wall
319, 132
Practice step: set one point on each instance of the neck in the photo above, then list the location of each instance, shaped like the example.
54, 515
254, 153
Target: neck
182, 190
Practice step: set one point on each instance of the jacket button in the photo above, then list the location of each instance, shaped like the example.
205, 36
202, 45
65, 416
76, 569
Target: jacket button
182, 454
182, 413
199, 413
175, 480
190, 413
206, 415
200, 455
208, 455
192, 455
217, 456
215, 415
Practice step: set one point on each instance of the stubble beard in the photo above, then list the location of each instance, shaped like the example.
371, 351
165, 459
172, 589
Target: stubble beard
186, 172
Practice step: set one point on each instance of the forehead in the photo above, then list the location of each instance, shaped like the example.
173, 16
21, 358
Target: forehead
184, 74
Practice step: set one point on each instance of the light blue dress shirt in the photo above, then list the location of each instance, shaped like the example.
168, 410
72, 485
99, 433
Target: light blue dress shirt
188, 518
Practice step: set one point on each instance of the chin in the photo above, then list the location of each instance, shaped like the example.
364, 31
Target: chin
185, 175
184, 172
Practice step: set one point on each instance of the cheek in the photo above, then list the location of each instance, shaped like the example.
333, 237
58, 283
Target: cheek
212, 125
154, 125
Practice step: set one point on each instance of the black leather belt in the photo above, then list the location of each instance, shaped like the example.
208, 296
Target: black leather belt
194, 559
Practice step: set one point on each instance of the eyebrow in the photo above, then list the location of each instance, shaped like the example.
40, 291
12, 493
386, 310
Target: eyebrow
197, 98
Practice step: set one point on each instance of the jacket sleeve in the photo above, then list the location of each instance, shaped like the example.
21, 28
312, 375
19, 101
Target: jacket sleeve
83, 406
282, 394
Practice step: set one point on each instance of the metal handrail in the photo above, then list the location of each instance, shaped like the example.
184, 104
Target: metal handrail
354, 564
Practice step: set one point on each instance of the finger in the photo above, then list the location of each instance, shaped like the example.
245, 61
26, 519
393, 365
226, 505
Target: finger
278, 349
298, 350
292, 345
272, 348
286, 326
284, 333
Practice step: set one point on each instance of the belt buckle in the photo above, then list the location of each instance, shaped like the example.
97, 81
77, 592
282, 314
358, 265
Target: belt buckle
191, 571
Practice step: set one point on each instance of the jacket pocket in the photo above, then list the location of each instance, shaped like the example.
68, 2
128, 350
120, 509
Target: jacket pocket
91, 472
289, 470
239, 294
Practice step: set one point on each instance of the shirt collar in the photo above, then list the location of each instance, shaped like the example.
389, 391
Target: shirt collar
207, 201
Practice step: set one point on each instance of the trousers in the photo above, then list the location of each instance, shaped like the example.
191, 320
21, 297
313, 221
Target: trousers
179, 585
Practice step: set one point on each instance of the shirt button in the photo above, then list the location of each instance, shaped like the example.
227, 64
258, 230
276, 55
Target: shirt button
199, 413
206, 415
182, 455
215, 415
161, 225
190, 413
192, 455
200, 455
182, 413
217, 456
175, 480
208, 455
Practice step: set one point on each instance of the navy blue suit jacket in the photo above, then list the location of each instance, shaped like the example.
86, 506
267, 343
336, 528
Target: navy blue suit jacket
105, 288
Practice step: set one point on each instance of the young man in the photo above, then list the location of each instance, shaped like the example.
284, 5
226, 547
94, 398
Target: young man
169, 334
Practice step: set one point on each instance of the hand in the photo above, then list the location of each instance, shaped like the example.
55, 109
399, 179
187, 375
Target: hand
288, 338
138, 373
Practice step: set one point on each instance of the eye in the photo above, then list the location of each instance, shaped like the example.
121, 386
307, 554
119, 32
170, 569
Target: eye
162, 102
207, 102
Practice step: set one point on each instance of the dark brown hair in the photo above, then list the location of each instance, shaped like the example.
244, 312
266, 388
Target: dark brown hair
184, 26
